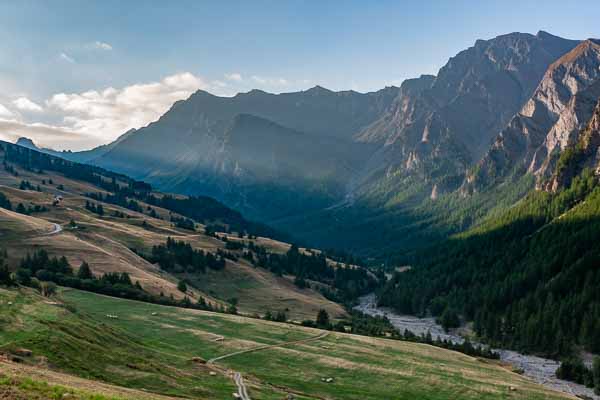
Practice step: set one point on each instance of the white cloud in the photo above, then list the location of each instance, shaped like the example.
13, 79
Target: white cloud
65, 57
82, 120
44, 135
101, 46
234, 76
270, 81
5, 112
24, 104
220, 84
108, 113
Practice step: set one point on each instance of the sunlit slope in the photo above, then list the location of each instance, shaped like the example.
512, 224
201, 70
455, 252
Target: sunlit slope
107, 242
152, 347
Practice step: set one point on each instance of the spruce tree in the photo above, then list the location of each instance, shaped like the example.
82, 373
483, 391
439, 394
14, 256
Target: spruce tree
85, 272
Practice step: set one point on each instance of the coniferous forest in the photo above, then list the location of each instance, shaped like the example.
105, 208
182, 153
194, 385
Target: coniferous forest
528, 279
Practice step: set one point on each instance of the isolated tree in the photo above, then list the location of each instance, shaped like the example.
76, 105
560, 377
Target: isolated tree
281, 316
449, 319
47, 288
125, 279
21, 209
5, 278
182, 286
323, 319
4, 202
85, 272
300, 282
232, 309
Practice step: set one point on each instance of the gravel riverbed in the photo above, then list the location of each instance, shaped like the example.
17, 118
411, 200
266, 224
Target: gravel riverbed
540, 370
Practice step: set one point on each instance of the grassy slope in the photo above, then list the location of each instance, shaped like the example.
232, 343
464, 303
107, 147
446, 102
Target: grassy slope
141, 350
105, 242
18, 381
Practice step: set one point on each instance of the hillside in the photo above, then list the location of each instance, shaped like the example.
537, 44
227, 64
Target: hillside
527, 278
163, 350
551, 120
113, 241
326, 166
203, 154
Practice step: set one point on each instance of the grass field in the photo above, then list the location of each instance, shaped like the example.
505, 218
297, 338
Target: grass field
151, 347
105, 243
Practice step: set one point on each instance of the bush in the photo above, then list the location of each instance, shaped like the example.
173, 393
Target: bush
47, 288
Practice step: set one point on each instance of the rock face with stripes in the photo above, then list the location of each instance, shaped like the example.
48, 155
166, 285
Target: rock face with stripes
441, 125
548, 123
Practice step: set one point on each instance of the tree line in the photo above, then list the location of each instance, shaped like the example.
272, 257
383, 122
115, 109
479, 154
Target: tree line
126, 192
179, 257
529, 278
40, 271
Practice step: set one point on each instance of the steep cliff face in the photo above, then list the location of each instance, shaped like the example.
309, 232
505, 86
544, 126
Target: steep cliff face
575, 157
404, 111
450, 120
550, 120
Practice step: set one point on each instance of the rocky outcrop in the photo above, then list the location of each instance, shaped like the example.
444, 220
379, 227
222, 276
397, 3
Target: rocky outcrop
585, 153
443, 124
549, 122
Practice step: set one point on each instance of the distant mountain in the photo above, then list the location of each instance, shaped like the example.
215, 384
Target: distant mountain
77, 156
550, 120
297, 145
330, 165
438, 126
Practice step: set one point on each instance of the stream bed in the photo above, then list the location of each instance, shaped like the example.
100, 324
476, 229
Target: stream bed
538, 369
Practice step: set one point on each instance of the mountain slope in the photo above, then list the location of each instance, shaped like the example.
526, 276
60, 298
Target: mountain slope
162, 351
356, 161
195, 147
528, 277
120, 238
438, 131
578, 156
561, 105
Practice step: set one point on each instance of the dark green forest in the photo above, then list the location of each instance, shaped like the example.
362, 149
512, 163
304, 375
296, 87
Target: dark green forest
528, 278
127, 192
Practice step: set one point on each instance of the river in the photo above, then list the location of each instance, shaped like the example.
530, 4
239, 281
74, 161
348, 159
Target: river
540, 370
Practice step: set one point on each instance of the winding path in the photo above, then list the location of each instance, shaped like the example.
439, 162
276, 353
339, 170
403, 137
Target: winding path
242, 390
56, 229
237, 377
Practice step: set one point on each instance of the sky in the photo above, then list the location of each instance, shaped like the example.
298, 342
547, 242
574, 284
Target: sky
77, 74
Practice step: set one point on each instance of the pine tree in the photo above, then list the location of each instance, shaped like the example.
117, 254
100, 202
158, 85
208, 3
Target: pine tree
323, 319
85, 272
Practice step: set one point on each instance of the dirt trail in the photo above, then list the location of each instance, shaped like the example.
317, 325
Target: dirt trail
237, 377
268, 346
56, 229
242, 390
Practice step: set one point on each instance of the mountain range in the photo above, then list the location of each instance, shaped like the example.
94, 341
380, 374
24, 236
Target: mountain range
329, 166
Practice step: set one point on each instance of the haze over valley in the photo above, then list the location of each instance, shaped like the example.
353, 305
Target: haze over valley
340, 216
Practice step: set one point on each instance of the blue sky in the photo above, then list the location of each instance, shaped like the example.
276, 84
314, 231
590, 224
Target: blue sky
75, 59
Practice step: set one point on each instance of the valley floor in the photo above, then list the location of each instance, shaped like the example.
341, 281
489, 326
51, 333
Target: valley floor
540, 370
164, 350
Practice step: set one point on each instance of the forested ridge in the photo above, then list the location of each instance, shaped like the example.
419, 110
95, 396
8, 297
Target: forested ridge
127, 192
528, 278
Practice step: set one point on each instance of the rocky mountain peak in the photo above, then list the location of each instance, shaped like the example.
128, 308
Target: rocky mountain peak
577, 156
551, 119
26, 142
